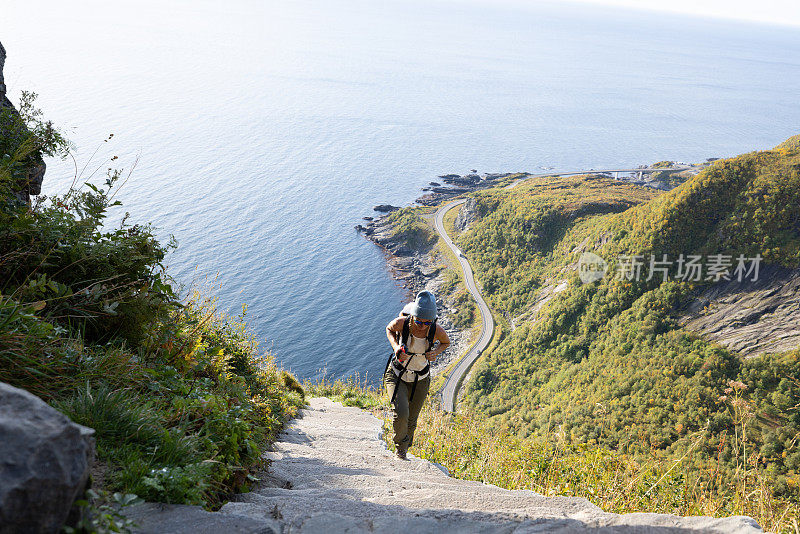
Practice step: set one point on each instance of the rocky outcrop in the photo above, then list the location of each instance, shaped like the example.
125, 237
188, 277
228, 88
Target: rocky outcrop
467, 180
749, 317
458, 185
543, 296
450, 190
44, 463
11, 128
385, 208
467, 215
3, 100
381, 232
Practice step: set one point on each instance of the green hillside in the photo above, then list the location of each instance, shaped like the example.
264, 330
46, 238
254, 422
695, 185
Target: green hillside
605, 362
791, 143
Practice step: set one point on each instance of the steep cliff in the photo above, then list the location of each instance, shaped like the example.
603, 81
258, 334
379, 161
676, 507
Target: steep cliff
14, 137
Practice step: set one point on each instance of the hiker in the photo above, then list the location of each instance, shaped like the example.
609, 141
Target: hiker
407, 377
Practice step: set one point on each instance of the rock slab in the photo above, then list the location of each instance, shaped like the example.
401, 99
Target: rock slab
156, 518
751, 317
44, 463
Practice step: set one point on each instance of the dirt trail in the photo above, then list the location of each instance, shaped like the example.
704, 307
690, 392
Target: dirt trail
333, 474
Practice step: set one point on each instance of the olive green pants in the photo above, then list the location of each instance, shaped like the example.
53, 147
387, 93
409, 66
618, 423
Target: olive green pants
405, 413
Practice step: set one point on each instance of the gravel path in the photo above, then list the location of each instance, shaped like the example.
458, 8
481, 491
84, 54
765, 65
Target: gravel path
333, 474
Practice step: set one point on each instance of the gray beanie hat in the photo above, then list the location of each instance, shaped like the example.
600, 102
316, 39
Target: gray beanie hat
424, 306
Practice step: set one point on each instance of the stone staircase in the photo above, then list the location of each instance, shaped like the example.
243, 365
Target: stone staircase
330, 473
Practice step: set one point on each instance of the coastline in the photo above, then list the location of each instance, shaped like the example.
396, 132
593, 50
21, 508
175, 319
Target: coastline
421, 270
424, 268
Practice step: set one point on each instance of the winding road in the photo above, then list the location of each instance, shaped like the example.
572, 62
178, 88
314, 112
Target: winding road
453, 381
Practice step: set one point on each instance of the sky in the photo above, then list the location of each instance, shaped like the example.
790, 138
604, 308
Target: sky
774, 12
783, 12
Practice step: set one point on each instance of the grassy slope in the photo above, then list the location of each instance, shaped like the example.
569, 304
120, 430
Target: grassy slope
180, 396
512, 245
605, 363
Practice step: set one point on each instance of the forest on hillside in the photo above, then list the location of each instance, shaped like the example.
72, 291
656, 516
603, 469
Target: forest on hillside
606, 362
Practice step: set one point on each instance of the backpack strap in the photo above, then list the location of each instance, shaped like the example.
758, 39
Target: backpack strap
402, 369
431, 334
403, 338
397, 381
406, 329
413, 388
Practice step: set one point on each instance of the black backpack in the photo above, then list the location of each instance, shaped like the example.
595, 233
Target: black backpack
402, 368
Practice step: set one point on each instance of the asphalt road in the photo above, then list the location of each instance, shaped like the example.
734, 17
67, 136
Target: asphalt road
453, 381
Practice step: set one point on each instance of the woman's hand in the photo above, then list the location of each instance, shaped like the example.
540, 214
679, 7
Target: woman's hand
430, 356
400, 353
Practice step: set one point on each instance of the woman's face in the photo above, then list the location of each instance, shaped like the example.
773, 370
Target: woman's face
420, 324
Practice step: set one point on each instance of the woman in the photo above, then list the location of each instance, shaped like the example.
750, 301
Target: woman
412, 337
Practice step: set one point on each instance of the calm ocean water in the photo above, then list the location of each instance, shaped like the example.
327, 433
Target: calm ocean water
265, 130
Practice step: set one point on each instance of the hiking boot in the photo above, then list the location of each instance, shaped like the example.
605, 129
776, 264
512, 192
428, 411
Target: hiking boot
401, 453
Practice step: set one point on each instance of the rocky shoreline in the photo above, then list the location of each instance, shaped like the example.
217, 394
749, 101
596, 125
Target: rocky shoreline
418, 270
455, 185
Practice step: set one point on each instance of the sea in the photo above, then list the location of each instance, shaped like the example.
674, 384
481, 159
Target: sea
259, 132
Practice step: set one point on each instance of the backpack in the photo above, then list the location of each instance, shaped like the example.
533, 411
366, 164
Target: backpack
402, 368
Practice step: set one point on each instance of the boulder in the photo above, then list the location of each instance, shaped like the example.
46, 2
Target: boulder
45, 463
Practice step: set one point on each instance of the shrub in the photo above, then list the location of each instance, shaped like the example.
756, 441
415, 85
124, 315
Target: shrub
101, 284
181, 399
